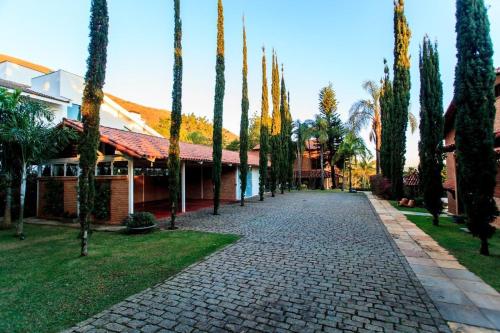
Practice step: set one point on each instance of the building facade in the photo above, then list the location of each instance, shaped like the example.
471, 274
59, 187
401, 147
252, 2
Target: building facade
450, 185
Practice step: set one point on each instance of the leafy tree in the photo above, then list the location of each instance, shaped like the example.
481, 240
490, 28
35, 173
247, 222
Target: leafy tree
431, 129
401, 89
386, 106
320, 132
176, 120
254, 130
234, 145
92, 100
220, 84
302, 132
244, 123
28, 129
264, 129
284, 139
197, 138
275, 126
335, 130
350, 149
475, 104
9, 103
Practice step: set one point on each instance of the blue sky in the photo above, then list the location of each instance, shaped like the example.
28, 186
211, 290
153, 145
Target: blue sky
319, 41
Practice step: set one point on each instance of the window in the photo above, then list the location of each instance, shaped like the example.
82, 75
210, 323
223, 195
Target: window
74, 112
104, 169
497, 90
120, 168
71, 170
58, 170
47, 171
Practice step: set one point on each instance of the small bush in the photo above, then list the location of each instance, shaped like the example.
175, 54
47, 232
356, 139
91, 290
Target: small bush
102, 201
381, 186
139, 220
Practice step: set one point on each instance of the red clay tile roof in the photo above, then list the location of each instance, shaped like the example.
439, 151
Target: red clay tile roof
150, 147
411, 180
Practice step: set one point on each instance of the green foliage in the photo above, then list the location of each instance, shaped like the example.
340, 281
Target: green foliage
334, 128
386, 112
264, 130
45, 288
431, 129
91, 104
244, 123
54, 198
220, 84
102, 201
197, 138
254, 130
176, 120
283, 137
290, 148
401, 90
302, 131
275, 139
475, 114
234, 145
140, 220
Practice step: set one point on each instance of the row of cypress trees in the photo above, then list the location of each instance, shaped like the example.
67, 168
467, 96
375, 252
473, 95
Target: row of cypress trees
474, 100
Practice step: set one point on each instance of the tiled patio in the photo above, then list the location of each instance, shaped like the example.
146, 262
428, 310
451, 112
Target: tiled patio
461, 297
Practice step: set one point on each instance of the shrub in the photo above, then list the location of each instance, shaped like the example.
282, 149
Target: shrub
139, 220
381, 186
102, 200
54, 198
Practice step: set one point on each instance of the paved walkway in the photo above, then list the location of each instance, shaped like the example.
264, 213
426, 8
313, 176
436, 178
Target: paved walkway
307, 262
460, 296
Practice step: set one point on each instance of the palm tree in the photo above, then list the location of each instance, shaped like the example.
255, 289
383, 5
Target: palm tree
365, 168
302, 133
28, 129
8, 104
350, 149
320, 132
366, 111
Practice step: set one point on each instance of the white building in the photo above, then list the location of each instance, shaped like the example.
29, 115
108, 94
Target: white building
62, 92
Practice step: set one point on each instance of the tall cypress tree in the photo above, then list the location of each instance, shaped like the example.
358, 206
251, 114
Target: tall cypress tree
475, 114
386, 111
220, 84
283, 166
244, 122
431, 129
291, 150
275, 127
91, 104
401, 88
176, 118
264, 130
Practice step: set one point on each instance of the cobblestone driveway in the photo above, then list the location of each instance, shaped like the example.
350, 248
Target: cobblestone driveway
308, 262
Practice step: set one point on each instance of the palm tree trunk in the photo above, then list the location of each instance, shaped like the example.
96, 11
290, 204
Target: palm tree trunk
22, 196
377, 161
332, 167
350, 176
322, 168
7, 216
343, 177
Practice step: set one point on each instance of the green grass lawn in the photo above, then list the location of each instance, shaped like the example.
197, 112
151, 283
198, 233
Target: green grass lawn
404, 209
45, 286
464, 247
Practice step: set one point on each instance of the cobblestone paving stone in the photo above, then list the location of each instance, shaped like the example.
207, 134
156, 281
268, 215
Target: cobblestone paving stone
307, 262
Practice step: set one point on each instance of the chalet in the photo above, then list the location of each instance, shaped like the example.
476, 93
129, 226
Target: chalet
310, 167
134, 168
450, 185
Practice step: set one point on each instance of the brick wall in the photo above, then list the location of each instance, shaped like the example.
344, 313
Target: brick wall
228, 183
119, 196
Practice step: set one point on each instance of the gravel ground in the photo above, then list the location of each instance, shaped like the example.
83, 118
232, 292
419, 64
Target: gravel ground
307, 262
